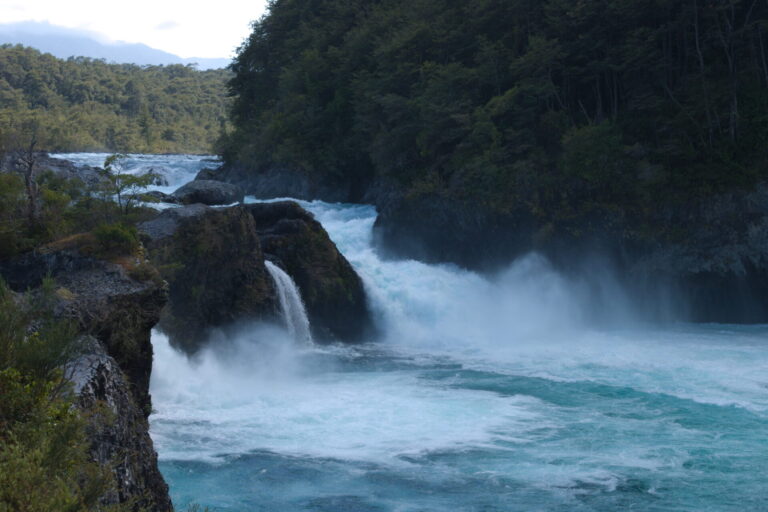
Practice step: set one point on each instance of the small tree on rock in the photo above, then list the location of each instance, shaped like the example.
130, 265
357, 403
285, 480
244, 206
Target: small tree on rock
125, 187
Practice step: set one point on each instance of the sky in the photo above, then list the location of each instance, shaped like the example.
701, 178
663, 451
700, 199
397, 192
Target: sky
187, 28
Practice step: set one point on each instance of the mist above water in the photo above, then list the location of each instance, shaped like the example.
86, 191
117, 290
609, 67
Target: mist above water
518, 391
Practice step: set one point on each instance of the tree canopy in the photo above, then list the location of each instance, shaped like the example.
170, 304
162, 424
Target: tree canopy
83, 104
541, 102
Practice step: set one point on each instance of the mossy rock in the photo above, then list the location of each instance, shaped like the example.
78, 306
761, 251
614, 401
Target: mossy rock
212, 260
331, 289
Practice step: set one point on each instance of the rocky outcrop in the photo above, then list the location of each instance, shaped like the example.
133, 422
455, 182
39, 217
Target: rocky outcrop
280, 181
156, 196
213, 262
16, 162
332, 291
436, 229
117, 430
105, 300
208, 192
116, 304
716, 250
207, 173
710, 254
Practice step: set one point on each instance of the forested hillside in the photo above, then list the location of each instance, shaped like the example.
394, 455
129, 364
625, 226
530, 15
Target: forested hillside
82, 104
556, 106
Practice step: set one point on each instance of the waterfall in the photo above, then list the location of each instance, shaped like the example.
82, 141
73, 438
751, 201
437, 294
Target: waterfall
291, 305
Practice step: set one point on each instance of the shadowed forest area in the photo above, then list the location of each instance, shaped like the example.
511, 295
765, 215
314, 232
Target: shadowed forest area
555, 106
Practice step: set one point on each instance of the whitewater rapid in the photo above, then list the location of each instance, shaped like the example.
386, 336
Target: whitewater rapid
175, 170
483, 394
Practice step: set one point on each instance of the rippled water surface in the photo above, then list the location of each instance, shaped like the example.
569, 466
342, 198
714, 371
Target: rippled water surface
483, 394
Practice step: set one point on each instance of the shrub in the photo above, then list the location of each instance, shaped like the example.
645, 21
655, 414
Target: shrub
44, 459
116, 239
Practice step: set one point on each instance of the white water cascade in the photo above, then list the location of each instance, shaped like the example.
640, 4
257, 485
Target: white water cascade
291, 305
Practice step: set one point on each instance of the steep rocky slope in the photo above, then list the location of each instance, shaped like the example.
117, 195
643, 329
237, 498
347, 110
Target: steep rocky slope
115, 309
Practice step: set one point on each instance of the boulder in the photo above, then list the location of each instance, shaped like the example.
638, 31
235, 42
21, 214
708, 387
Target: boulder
14, 162
206, 174
286, 181
212, 260
331, 289
209, 192
156, 196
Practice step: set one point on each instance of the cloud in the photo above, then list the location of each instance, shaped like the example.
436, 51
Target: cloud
175, 25
167, 25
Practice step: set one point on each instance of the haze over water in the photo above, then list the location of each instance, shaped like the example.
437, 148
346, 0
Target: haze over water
483, 394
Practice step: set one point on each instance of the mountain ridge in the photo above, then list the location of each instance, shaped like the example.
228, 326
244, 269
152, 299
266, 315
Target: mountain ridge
65, 42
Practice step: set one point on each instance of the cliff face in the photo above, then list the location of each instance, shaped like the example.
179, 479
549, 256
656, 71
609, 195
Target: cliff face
710, 251
117, 312
214, 265
332, 291
213, 259
118, 431
105, 300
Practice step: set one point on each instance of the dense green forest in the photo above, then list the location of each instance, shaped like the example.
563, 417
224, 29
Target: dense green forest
82, 104
544, 103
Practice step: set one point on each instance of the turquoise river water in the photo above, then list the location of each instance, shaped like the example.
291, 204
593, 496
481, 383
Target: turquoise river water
482, 393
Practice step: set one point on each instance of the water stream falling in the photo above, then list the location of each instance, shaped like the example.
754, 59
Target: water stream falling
291, 305
483, 394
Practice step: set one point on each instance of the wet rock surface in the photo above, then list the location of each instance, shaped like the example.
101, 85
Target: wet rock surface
17, 161
212, 260
208, 192
332, 291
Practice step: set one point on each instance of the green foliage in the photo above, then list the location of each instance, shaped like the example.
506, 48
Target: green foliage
509, 103
19, 233
595, 153
67, 207
117, 239
44, 460
84, 104
122, 186
12, 237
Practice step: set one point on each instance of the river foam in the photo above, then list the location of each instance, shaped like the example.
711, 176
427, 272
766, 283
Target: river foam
492, 393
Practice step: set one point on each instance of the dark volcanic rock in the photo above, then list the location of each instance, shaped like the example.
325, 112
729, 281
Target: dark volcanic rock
290, 182
207, 174
209, 192
156, 195
106, 302
713, 252
438, 230
118, 312
13, 162
718, 255
213, 262
332, 291
117, 430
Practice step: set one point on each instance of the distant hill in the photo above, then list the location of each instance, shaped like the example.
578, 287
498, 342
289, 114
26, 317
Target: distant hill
85, 104
65, 42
